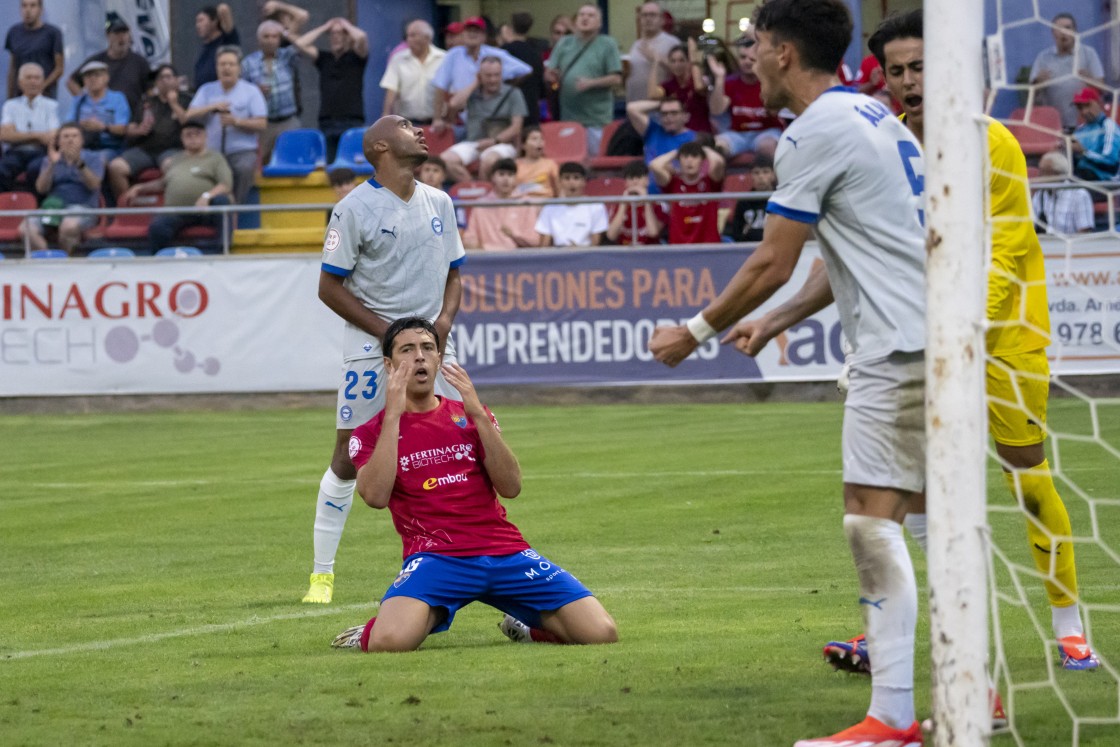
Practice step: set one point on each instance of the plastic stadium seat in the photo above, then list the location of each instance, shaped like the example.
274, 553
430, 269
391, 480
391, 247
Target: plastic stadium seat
739, 181
112, 251
605, 186
1038, 134
131, 226
179, 251
438, 143
601, 160
9, 226
565, 141
297, 153
469, 190
49, 254
349, 154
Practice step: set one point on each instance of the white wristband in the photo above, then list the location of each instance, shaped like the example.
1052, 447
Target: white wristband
700, 328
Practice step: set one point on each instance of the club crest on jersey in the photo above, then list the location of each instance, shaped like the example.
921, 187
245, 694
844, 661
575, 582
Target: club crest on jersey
459, 420
355, 446
346, 413
334, 238
367, 347
437, 226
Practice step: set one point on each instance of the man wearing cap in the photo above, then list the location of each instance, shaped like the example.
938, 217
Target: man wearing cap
102, 113
32, 40
1096, 142
196, 177
1060, 74
459, 69
129, 72
27, 125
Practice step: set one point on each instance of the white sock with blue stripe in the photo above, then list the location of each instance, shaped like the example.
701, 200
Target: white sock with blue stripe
331, 509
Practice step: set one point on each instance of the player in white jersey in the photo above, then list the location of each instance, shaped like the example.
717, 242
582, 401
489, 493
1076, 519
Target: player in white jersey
852, 172
392, 250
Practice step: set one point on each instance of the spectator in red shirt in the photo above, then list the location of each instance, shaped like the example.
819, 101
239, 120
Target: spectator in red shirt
753, 128
691, 222
686, 84
625, 215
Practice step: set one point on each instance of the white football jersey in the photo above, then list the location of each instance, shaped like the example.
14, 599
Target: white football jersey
395, 256
849, 167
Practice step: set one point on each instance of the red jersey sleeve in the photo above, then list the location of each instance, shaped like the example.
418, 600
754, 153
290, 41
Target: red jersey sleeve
363, 439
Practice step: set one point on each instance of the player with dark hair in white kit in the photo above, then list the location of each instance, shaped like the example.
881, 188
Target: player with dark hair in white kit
850, 170
392, 250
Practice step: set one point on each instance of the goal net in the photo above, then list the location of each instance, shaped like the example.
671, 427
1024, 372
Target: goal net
1037, 58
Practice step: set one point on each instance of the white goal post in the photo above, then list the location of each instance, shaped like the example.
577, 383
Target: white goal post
955, 157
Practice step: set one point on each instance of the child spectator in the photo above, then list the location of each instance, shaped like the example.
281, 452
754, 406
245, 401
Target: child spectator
342, 182
691, 222
748, 216
621, 229
433, 172
572, 225
505, 227
537, 176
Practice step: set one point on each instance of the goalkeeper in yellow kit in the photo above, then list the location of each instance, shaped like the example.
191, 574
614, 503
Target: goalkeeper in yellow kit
1018, 373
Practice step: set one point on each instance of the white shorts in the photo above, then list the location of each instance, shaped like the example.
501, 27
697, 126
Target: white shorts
884, 437
360, 395
467, 151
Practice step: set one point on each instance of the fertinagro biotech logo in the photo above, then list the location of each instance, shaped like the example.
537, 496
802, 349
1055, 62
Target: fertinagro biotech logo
79, 325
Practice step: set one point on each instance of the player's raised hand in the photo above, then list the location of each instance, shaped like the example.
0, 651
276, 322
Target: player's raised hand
749, 336
671, 345
396, 386
458, 378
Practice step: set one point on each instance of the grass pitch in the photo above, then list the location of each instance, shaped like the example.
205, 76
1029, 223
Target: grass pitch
154, 563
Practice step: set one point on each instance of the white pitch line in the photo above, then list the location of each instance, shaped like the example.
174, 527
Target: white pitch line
78, 648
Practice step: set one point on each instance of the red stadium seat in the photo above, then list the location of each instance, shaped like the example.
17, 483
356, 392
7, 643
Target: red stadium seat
605, 186
565, 141
438, 143
133, 225
9, 227
469, 190
601, 160
1039, 133
738, 181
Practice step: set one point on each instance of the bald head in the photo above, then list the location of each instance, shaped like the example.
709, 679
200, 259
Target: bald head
395, 138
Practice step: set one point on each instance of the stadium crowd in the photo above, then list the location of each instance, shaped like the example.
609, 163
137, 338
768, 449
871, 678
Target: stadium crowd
567, 116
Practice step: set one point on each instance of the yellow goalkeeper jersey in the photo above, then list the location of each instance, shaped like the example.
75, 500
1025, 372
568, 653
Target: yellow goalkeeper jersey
1017, 278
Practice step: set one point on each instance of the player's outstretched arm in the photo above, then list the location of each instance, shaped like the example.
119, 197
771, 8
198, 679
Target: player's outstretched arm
500, 462
751, 335
377, 476
766, 270
452, 297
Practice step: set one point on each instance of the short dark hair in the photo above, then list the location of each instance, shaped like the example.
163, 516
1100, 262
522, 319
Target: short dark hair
341, 176
504, 164
821, 30
1068, 16
691, 148
895, 26
521, 22
573, 167
408, 322
437, 161
678, 48
669, 99
762, 162
209, 10
634, 169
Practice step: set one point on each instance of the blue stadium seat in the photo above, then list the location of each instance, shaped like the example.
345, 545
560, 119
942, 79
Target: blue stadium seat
112, 251
297, 153
349, 154
179, 251
49, 254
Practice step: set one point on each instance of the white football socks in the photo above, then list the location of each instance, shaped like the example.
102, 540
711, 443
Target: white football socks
917, 525
331, 509
1066, 621
889, 604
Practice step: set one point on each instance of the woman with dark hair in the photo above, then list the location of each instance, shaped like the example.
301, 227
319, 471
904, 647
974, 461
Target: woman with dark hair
687, 84
155, 137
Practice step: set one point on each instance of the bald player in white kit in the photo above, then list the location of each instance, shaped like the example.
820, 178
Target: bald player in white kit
852, 172
392, 250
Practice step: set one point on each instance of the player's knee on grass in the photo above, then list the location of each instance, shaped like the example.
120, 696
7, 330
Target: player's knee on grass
584, 621
402, 625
